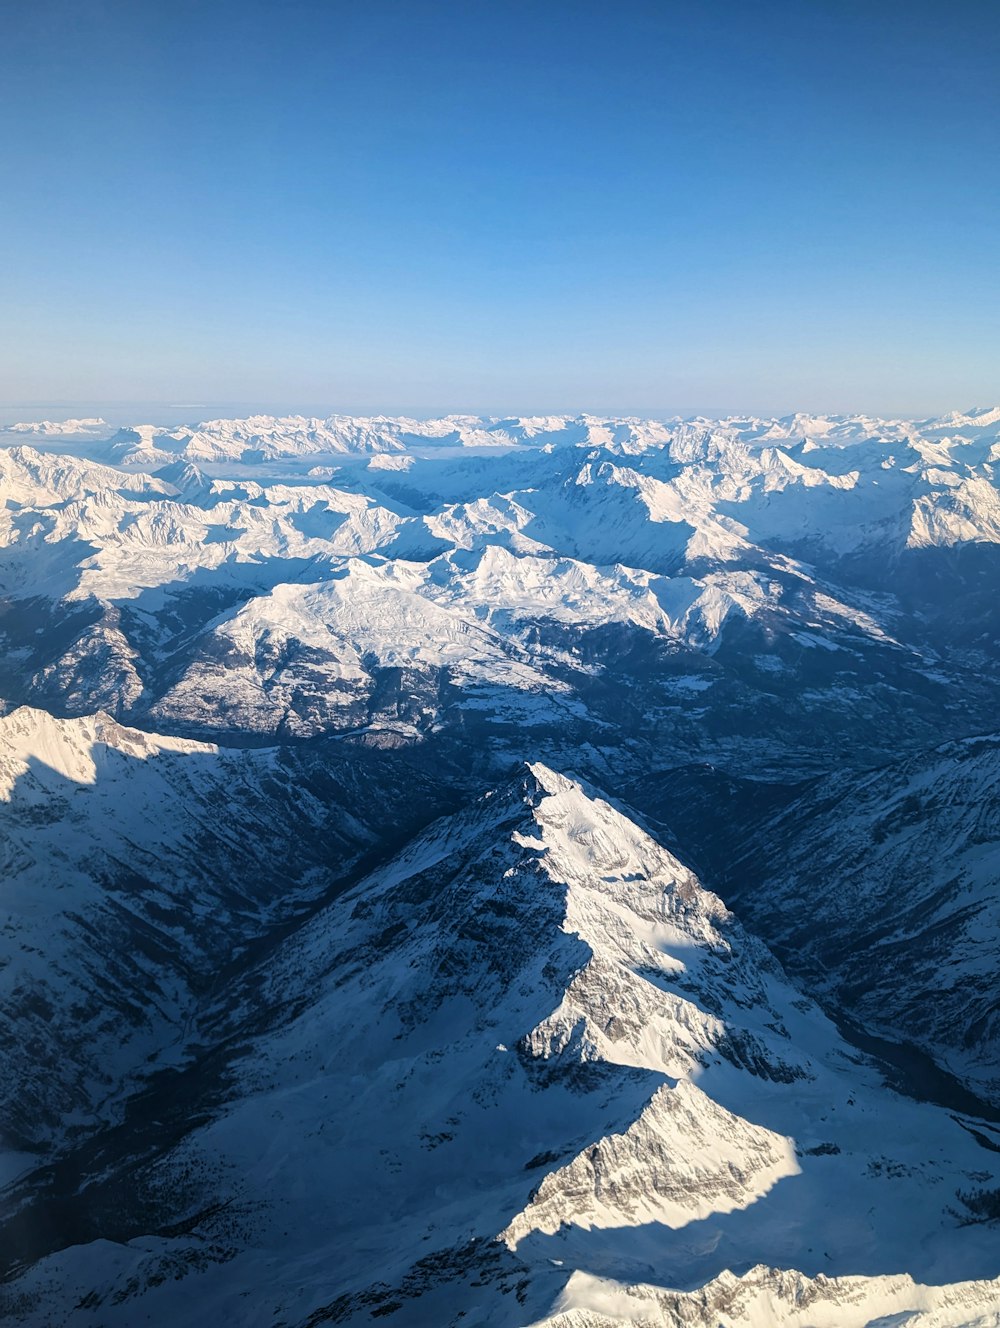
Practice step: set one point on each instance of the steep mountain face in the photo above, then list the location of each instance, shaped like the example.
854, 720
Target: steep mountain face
138, 870
529, 1051
879, 890
330, 988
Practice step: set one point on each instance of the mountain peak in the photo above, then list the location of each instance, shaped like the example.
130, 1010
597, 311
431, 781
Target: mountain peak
550, 781
33, 739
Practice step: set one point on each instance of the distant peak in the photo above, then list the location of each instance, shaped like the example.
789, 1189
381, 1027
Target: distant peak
978, 417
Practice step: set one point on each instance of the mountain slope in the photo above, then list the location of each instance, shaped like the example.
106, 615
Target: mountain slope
281, 1048
531, 1044
138, 869
880, 889
766, 1296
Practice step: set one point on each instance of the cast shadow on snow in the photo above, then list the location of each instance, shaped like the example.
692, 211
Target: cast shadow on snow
800, 1222
101, 1187
133, 943
794, 1225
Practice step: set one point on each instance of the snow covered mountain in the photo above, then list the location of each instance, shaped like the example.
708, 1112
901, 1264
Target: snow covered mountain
529, 1050
134, 865
879, 889
274, 436
331, 988
92, 426
787, 582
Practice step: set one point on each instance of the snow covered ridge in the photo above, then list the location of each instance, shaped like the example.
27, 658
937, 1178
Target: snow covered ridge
769, 1297
94, 427
67, 748
276, 436
599, 586
527, 1045
134, 865
270, 437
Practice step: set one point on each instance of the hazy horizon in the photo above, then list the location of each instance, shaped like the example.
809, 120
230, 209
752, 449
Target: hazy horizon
168, 414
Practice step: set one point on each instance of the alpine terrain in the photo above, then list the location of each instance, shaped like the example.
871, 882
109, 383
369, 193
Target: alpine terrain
538, 871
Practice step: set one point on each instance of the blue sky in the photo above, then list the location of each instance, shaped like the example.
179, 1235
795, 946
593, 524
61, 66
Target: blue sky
502, 206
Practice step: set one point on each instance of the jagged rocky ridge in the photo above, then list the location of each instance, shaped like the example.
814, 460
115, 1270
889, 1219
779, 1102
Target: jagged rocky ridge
530, 1044
879, 889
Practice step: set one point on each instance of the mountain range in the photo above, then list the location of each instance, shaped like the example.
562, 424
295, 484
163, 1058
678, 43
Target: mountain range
531, 871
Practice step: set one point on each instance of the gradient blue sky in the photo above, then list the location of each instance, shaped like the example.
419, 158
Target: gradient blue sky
504, 206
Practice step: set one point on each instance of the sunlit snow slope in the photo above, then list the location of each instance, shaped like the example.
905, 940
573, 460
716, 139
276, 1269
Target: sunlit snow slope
529, 1052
